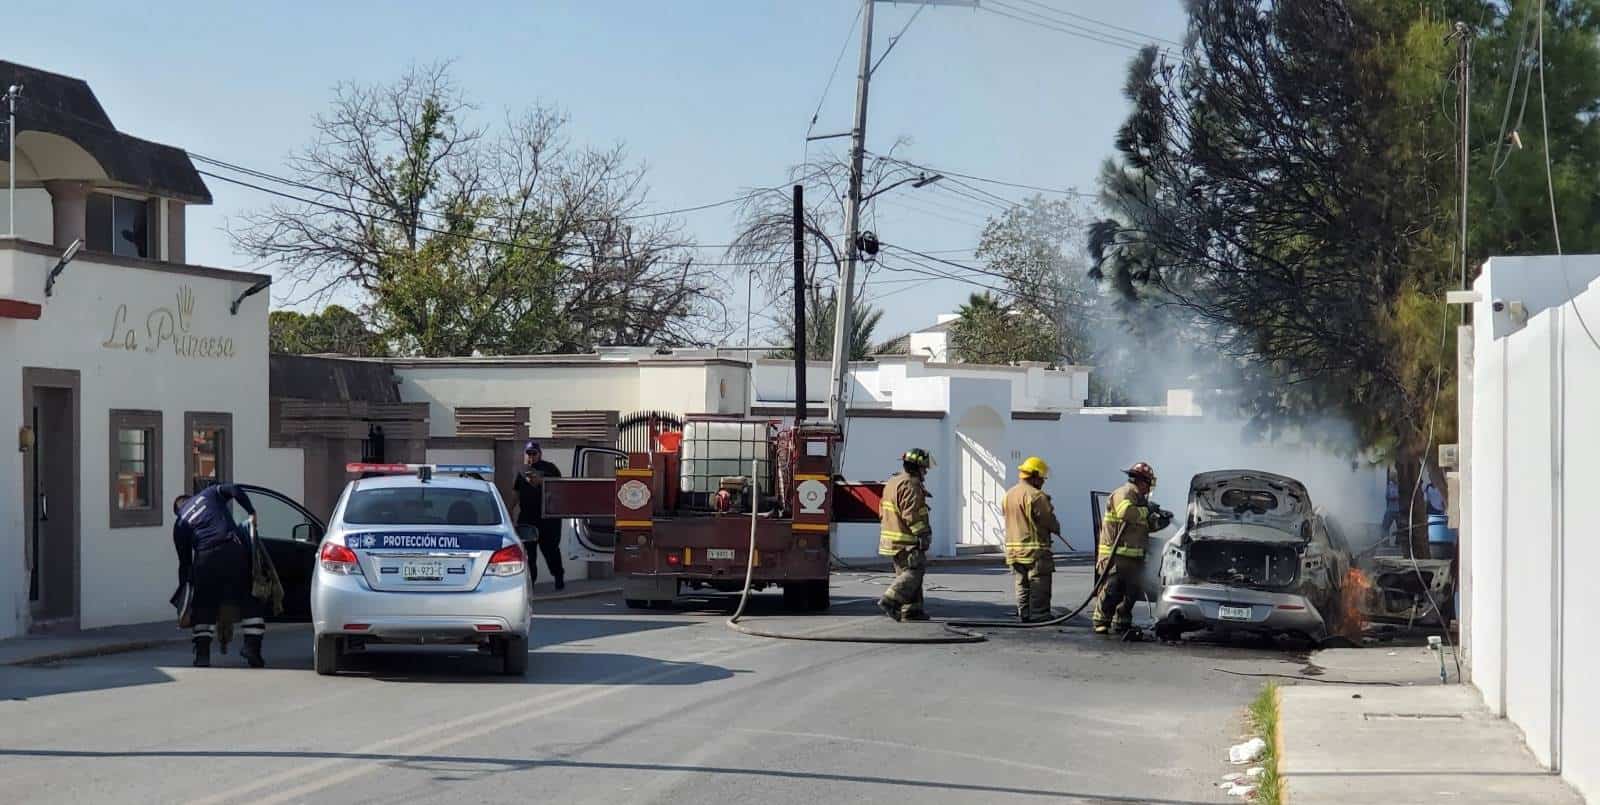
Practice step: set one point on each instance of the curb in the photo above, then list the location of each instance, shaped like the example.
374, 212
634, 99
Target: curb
126, 646
564, 596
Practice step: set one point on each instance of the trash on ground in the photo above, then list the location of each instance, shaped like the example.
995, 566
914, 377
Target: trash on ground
1243, 791
1247, 752
1255, 771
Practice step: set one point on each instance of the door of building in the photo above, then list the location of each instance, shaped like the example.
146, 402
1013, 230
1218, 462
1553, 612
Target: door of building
50, 399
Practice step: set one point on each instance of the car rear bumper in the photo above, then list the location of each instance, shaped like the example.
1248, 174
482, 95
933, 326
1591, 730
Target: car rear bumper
499, 607
1200, 606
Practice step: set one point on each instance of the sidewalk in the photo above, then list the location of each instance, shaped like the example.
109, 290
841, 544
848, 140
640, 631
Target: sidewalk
45, 648
1421, 742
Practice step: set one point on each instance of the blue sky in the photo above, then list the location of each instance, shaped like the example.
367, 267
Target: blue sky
714, 96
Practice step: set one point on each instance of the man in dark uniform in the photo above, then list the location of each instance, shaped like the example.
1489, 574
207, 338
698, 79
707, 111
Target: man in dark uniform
214, 558
532, 526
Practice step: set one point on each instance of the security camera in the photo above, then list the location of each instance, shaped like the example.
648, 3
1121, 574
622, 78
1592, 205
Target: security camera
1499, 305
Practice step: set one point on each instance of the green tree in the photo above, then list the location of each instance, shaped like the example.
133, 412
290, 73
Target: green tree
466, 241
1285, 191
1038, 247
332, 330
819, 328
990, 331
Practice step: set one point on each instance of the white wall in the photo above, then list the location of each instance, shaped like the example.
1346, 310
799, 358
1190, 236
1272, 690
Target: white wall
542, 387
1534, 470
35, 216
1087, 452
126, 574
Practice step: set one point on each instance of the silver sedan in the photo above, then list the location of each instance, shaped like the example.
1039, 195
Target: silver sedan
421, 556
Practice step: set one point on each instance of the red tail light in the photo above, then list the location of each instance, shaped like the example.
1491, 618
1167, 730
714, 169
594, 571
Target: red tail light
339, 559
508, 561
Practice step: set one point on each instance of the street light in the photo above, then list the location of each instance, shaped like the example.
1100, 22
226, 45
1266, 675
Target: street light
61, 265
920, 180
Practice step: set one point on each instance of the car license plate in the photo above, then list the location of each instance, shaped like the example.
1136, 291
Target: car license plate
1228, 613
422, 571
719, 553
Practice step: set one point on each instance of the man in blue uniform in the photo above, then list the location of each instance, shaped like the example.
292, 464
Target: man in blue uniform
214, 558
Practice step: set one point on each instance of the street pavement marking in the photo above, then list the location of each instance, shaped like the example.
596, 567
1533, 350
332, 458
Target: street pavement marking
469, 727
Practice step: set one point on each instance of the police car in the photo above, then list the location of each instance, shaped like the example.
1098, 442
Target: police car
421, 554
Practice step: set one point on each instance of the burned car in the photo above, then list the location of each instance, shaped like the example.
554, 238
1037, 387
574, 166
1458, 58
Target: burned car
1252, 555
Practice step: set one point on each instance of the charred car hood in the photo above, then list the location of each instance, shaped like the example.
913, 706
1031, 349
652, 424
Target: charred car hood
1247, 505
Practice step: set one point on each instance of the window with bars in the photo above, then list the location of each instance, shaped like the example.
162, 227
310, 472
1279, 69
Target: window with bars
208, 456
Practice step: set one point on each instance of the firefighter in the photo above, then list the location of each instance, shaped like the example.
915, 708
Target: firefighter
1030, 521
214, 558
905, 535
1125, 525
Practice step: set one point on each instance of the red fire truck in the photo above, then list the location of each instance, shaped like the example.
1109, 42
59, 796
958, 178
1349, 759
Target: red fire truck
679, 516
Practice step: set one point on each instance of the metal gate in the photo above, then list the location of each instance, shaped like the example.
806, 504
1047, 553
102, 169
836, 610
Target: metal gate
637, 432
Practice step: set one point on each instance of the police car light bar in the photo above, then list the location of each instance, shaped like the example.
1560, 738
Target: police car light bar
407, 469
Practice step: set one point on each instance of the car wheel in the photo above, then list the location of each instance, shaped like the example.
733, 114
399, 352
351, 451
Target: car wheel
326, 653
637, 603
515, 661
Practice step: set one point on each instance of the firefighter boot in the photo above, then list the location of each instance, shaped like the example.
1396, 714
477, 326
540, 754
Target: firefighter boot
915, 615
202, 652
251, 652
889, 608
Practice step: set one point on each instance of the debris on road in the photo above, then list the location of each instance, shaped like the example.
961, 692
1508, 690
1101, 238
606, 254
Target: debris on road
1248, 752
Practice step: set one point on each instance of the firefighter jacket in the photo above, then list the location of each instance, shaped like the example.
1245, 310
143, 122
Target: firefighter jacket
1030, 520
904, 516
1127, 513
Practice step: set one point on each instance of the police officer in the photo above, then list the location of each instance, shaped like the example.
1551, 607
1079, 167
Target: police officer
214, 558
533, 528
1030, 520
1120, 555
905, 534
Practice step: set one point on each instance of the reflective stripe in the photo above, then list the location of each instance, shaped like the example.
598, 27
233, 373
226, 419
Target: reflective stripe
1122, 550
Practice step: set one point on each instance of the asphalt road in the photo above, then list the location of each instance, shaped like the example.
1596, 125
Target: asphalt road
622, 706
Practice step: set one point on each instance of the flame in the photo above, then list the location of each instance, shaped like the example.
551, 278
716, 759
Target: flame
1352, 593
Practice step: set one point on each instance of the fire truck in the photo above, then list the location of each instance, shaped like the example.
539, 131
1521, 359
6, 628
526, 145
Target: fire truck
678, 516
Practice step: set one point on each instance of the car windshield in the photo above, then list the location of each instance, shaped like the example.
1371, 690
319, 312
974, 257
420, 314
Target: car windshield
421, 505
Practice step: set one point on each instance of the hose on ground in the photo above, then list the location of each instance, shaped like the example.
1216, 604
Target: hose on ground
1094, 593
953, 634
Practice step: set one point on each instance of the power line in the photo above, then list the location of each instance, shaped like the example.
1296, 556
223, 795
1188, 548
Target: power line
468, 237
1550, 187
1033, 18
1102, 23
849, 35
287, 182
988, 180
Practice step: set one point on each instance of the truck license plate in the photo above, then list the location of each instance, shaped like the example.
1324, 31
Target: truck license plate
719, 553
1233, 613
422, 571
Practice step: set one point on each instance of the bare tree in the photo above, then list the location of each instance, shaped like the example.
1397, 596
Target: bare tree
766, 234
466, 240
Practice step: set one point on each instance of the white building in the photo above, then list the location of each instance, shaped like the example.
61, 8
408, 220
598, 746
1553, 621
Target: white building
979, 421
130, 376
1530, 465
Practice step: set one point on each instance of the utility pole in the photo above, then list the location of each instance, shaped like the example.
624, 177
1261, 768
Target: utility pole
1464, 111
11, 158
842, 312
799, 303
843, 308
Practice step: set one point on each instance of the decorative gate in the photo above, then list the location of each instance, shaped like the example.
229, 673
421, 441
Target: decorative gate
637, 432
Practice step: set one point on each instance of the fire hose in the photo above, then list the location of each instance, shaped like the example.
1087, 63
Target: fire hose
954, 628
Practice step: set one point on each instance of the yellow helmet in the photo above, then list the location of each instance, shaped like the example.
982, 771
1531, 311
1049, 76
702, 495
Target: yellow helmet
1034, 465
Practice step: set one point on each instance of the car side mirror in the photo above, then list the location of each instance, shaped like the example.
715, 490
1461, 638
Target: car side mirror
306, 532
